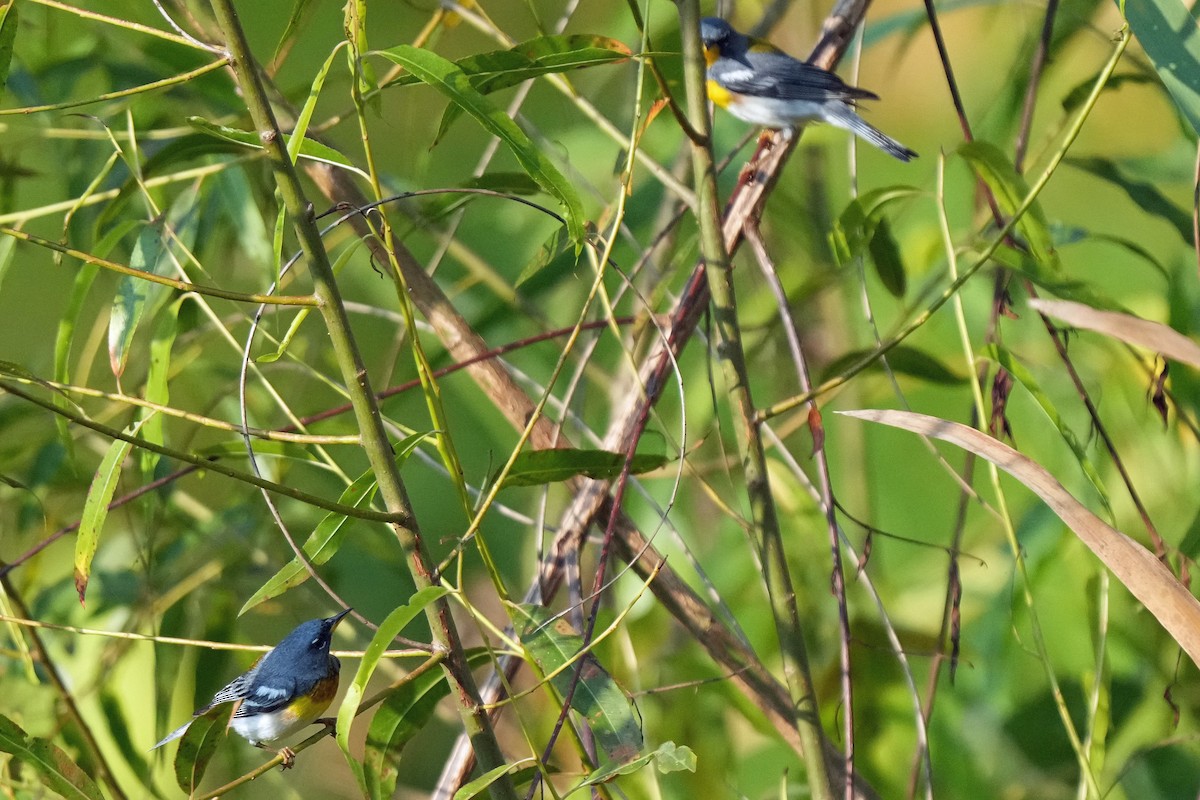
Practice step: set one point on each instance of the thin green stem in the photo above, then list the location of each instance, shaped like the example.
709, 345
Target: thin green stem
366, 409
205, 462
145, 87
733, 362
162, 280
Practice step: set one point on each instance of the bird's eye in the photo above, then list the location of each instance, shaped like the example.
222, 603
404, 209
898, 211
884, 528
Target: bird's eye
317, 643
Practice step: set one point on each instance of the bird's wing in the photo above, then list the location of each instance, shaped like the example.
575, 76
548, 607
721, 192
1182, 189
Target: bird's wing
265, 695
779, 76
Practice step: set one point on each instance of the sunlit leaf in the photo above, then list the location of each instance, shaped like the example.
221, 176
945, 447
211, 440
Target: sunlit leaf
668, 758
59, 773
95, 512
400, 717
388, 630
149, 255
310, 149
477, 787
451, 81
1009, 188
538, 467
1127, 328
556, 648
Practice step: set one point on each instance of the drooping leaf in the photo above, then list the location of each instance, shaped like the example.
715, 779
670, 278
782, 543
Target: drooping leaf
1146, 195
556, 648
149, 255
903, 359
854, 228
198, 745
538, 467
885, 255
310, 149
95, 511
451, 81
327, 537
1010, 190
477, 787
57, 770
1147, 578
668, 758
500, 69
404, 713
387, 632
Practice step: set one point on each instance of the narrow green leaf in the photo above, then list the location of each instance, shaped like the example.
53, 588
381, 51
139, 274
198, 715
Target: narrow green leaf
555, 256
451, 81
996, 170
500, 69
59, 772
556, 648
321, 544
904, 360
388, 631
149, 255
1026, 379
1168, 33
1082, 90
198, 746
314, 151
299, 18
327, 537
1145, 195
475, 788
157, 386
854, 229
400, 717
538, 467
95, 511
885, 255
8, 38
667, 758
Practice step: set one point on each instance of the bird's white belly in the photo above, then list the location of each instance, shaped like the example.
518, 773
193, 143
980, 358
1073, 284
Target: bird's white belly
769, 111
269, 726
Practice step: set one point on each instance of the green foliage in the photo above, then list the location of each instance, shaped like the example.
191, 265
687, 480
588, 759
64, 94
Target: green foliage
465, 273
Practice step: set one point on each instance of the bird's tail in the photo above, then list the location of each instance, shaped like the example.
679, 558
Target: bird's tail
847, 119
175, 734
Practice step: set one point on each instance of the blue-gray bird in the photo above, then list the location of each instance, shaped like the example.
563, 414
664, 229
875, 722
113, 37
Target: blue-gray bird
758, 83
287, 689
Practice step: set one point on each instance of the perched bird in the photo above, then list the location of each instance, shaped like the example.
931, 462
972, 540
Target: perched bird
285, 690
758, 83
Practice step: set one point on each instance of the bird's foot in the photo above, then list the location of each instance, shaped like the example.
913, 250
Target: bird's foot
289, 758
330, 725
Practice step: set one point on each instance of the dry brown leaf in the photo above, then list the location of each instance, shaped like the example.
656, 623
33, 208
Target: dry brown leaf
1124, 327
1133, 565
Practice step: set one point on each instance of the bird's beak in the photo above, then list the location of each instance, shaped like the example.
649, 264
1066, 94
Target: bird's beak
336, 618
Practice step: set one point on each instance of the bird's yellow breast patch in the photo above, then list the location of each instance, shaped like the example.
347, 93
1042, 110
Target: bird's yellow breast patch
720, 95
313, 704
